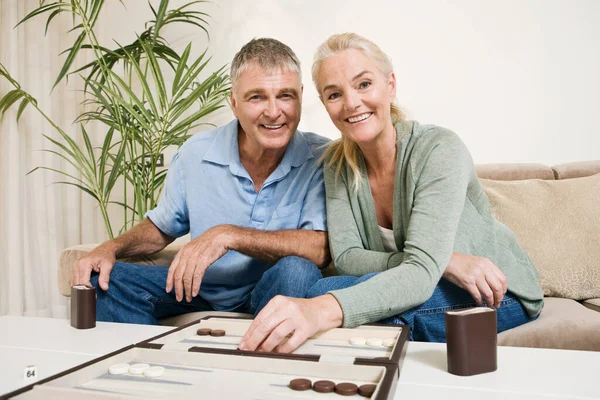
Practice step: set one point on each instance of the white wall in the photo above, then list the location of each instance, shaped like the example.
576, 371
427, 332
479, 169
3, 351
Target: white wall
518, 80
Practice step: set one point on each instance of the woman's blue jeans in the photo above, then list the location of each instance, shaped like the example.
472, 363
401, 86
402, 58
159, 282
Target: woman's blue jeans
136, 293
427, 323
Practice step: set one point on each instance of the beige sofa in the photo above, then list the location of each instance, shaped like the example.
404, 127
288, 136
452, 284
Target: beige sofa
555, 213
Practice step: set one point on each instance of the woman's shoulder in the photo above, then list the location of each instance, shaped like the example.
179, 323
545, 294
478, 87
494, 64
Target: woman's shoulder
433, 143
426, 133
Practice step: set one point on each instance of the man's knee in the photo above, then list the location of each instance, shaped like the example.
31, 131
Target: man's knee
123, 271
297, 267
139, 276
290, 276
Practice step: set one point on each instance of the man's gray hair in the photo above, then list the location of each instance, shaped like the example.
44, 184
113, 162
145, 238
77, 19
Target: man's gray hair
269, 54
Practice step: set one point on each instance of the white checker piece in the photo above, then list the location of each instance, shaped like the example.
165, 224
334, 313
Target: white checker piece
154, 372
389, 342
118, 369
138, 368
357, 341
374, 342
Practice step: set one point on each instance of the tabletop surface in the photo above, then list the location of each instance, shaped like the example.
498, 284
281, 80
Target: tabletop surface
523, 373
58, 335
53, 345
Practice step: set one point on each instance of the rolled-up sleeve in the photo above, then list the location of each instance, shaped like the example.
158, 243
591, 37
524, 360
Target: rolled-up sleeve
313, 215
171, 214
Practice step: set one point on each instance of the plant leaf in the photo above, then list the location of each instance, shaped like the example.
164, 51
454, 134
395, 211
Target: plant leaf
22, 107
70, 58
157, 75
181, 67
85, 189
40, 10
9, 99
50, 18
162, 9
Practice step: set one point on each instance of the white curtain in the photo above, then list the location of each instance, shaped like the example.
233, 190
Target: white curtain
38, 218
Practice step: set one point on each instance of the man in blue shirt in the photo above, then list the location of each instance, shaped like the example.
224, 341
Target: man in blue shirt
251, 195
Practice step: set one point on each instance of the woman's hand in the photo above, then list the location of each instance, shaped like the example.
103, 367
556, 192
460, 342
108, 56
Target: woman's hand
478, 276
300, 318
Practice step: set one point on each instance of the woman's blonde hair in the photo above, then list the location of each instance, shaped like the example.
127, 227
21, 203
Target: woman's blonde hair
345, 151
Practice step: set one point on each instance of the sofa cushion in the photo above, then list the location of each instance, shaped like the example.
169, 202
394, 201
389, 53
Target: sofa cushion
513, 172
72, 254
576, 169
563, 324
592, 304
558, 224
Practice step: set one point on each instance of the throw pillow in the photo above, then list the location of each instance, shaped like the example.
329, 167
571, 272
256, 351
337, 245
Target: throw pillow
558, 224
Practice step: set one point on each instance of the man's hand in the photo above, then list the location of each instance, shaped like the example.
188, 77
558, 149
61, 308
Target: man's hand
300, 318
101, 259
187, 269
478, 276
143, 238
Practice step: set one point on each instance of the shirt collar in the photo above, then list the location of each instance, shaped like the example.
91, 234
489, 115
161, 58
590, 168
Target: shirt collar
224, 150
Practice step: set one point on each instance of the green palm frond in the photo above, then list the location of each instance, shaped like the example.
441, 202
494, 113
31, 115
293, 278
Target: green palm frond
87, 12
128, 98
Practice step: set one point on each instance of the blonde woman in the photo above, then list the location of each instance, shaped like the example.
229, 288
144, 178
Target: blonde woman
402, 198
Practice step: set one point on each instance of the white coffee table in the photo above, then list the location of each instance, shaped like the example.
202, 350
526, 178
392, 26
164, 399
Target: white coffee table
54, 346
523, 373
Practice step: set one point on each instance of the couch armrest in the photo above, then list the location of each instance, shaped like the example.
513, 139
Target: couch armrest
70, 255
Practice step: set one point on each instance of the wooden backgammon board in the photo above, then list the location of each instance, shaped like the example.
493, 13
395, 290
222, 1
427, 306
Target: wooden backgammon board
201, 360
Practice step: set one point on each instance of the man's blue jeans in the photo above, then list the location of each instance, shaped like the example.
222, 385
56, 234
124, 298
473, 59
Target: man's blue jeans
136, 293
427, 323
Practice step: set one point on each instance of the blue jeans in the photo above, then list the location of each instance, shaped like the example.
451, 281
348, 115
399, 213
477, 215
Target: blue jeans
136, 293
427, 323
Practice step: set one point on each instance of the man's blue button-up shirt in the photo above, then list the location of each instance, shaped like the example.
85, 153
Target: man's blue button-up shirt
208, 186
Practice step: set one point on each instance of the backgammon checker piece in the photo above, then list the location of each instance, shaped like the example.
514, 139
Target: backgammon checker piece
83, 306
471, 341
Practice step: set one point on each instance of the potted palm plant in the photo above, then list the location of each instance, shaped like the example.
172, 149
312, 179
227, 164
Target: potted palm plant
144, 97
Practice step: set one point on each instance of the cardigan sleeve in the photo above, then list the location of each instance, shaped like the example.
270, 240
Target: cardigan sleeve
347, 250
441, 169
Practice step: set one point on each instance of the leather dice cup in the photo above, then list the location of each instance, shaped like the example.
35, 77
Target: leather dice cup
83, 306
471, 341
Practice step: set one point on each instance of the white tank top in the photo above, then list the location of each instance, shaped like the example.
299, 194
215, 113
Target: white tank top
387, 237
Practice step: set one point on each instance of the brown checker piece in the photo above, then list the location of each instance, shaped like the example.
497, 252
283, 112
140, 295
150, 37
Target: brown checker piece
217, 332
346, 389
324, 386
203, 331
300, 384
367, 390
